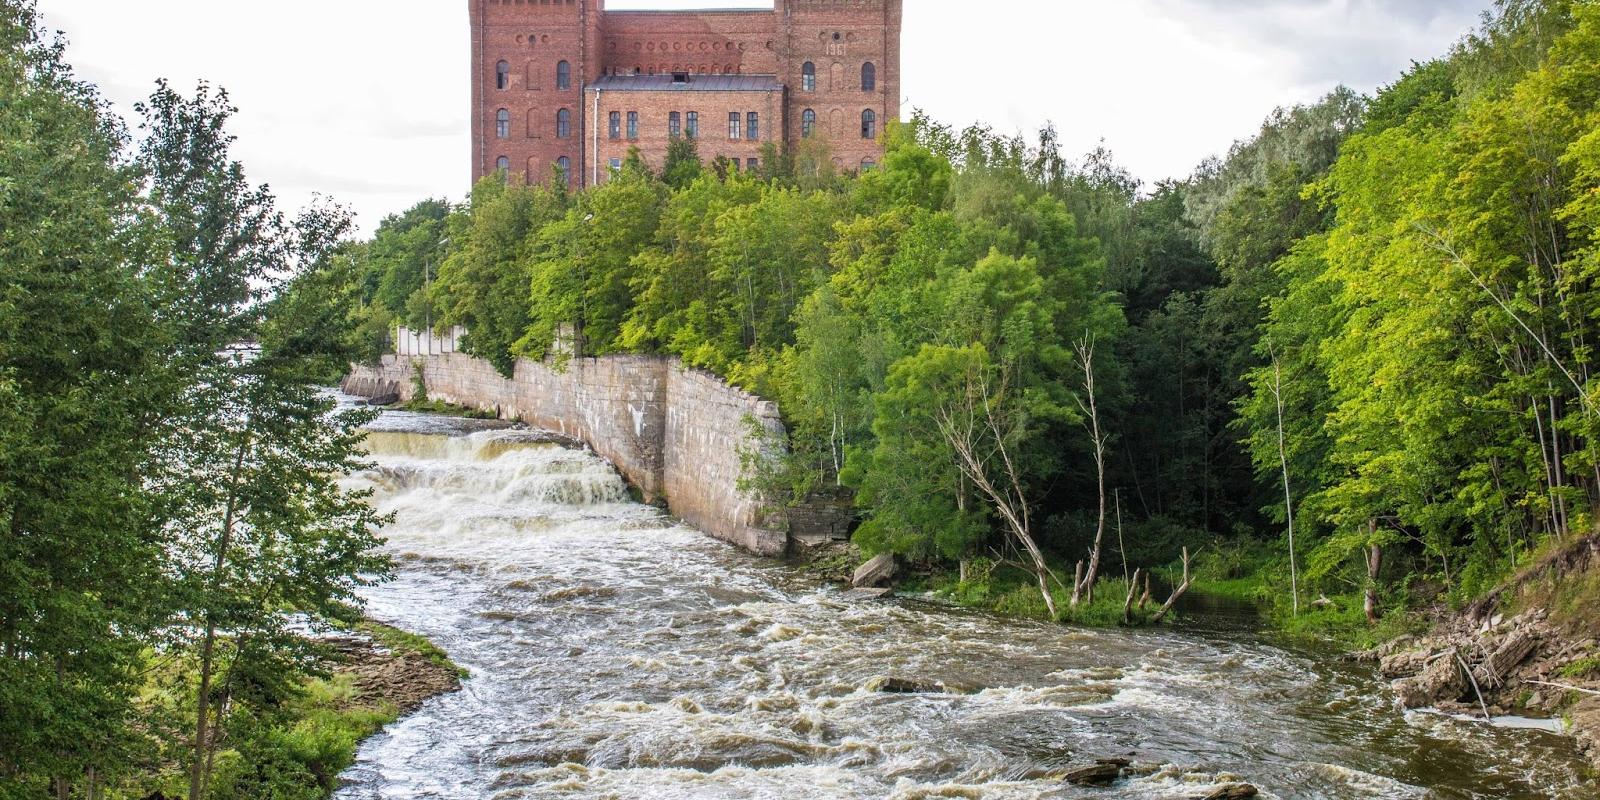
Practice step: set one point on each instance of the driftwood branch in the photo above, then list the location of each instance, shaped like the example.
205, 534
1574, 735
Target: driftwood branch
1475, 690
1564, 686
1162, 612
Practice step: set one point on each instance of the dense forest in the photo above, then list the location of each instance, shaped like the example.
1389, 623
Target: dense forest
1344, 366
1349, 360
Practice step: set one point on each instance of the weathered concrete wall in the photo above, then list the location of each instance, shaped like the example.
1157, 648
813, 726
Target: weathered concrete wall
675, 433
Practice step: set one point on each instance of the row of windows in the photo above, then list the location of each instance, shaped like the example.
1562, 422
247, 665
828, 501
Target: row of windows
869, 123
503, 166
751, 164
751, 128
502, 75
808, 77
740, 126
564, 164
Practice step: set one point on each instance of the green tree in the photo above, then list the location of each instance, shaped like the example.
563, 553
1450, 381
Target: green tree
483, 284
257, 529
81, 391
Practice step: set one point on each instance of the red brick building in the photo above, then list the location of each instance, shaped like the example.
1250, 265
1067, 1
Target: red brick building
565, 84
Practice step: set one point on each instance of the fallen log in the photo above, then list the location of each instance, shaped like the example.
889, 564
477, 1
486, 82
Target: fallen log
1509, 654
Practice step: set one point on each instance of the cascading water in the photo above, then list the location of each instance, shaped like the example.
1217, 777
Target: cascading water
616, 654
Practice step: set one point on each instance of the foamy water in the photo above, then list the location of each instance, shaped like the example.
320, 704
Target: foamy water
616, 654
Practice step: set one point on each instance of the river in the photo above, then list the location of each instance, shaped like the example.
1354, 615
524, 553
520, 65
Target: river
617, 654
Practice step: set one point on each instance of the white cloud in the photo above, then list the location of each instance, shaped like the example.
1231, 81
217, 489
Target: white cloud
369, 102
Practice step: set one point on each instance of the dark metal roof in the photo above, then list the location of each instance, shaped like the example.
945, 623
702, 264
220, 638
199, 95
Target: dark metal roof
695, 83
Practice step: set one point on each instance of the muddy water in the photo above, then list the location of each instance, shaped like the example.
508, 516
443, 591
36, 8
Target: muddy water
615, 654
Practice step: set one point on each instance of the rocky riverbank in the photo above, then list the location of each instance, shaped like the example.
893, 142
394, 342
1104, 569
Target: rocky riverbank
1530, 648
393, 669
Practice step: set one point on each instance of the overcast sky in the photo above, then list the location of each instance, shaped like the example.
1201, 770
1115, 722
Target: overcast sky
367, 102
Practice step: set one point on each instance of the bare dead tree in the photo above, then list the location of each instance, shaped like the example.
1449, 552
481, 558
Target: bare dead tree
1161, 613
1122, 548
1133, 590
976, 427
1085, 351
1288, 499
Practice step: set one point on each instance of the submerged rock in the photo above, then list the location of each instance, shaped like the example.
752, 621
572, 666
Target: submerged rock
869, 593
888, 684
1233, 791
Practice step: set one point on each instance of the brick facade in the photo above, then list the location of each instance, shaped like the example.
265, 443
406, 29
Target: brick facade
526, 118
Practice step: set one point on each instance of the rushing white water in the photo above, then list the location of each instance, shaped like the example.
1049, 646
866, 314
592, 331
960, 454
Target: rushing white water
616, 654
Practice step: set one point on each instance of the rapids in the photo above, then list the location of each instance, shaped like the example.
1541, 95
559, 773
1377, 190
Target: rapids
617, 654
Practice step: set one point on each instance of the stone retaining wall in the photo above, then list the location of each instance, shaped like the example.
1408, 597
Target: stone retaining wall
674, 433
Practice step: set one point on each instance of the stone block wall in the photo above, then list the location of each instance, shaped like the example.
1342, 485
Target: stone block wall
675, 433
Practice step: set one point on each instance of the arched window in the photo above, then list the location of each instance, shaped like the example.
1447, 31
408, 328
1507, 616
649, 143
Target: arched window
563, 124
563, 75
502, 75
868, 165
502, 165
808, 123
564, 164
808, 77
869, 77
869, 124
502, 124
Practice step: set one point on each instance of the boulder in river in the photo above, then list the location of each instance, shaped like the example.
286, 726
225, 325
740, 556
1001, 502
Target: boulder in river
877, 571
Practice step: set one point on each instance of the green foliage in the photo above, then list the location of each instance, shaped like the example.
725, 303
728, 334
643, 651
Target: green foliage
81, 385
157, 494
1430, 346
483, 283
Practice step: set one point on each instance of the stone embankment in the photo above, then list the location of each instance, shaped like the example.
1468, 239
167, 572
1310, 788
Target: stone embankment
1529, 648
681, 436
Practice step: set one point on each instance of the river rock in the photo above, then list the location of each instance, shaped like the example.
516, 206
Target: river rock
877, 571
1101, 773
1442, 680
388, 399
1403, 665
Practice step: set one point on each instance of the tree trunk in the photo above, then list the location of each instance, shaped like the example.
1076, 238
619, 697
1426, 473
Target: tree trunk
1127, 605
202, 743
1085, 350
1374, 564
1288, 498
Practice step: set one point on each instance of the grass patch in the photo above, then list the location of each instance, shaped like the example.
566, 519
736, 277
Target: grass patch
1014, 592
1344, 623
443, 409
403, 642
1582, 668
